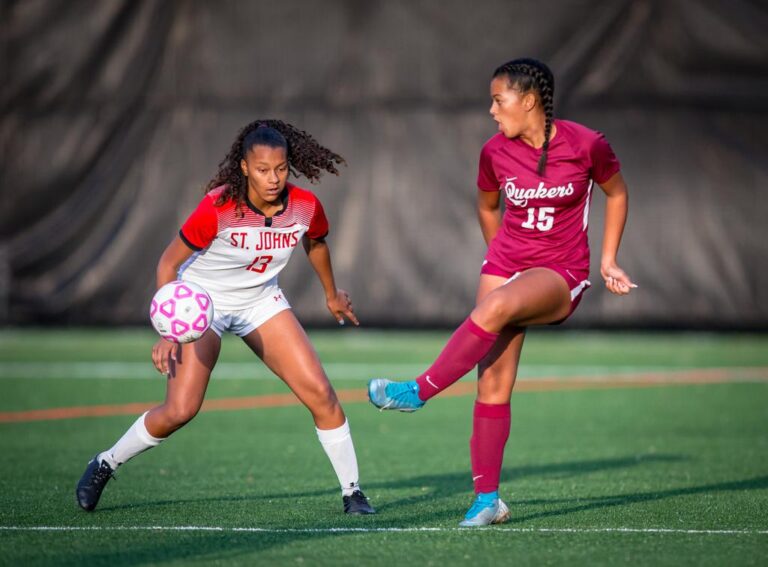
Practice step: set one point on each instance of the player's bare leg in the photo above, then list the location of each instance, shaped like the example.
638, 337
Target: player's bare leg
490, 427
537, 296
491, 417
534, 297
285, 348
497, 372
186, 384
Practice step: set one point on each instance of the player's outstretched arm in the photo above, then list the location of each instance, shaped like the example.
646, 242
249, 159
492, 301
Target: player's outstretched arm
337, 300
616, 206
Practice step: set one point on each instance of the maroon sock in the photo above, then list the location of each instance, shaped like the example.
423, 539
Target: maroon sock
490, 431
466, 347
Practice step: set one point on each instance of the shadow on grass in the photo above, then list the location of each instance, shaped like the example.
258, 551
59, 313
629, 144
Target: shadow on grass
199, 548
598, 502
223, 546
453, 484
434, 485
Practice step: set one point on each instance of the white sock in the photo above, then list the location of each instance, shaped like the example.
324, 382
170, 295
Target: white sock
338, 445
136, 440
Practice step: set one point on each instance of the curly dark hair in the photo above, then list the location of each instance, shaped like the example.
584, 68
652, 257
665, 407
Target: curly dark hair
532, 75
305, 157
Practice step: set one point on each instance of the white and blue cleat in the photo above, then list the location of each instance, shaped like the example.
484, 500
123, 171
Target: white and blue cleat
390, 395
487, 509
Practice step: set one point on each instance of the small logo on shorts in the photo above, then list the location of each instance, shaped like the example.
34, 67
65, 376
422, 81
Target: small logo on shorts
278, 297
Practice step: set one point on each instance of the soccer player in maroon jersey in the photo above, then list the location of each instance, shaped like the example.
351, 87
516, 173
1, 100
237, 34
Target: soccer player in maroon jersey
537, 264
234, 245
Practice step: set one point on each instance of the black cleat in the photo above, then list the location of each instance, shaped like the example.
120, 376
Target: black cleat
357, 504
92, 483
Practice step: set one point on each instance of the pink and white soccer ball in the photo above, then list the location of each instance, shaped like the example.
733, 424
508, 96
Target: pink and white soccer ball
181, 311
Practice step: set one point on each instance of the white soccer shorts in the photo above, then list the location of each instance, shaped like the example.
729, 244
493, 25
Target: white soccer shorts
243, 321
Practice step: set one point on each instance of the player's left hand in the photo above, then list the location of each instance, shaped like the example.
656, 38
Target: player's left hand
340, 306
616, 280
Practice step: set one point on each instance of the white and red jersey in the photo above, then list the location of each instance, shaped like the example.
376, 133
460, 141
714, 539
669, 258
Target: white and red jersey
238, 254
546, 217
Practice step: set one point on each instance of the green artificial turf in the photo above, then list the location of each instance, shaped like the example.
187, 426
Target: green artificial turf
682, 469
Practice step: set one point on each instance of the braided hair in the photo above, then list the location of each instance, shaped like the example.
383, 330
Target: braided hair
533, 75
305, 157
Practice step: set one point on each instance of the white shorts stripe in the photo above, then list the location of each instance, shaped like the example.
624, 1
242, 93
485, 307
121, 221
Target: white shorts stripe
575, 292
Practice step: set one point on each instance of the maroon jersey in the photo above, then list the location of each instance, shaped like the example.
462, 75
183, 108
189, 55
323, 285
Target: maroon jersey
546, 217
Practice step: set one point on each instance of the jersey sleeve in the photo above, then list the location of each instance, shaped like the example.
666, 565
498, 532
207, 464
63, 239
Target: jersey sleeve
201, 227
605, 164
318, 226
486, 179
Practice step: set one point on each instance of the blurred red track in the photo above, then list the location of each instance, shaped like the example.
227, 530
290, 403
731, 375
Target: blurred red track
634, 380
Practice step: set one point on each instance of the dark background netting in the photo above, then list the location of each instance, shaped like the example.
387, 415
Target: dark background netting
116, 113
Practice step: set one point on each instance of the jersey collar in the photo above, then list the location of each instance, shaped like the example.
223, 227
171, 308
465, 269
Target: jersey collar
283, 200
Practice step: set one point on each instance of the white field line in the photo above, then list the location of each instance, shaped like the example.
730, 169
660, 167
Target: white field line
385, 530
336, 370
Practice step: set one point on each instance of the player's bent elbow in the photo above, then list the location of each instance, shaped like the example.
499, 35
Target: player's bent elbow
166, 271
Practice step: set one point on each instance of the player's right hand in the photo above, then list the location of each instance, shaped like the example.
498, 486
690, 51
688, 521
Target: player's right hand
162, 354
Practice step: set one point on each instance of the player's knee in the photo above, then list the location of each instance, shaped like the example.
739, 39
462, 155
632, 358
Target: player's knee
179, 414
495, 311
326, 393
322, 395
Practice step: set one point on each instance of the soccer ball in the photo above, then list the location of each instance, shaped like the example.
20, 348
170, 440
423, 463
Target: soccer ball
181, 311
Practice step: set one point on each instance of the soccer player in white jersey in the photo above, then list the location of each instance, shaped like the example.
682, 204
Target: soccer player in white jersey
234, 245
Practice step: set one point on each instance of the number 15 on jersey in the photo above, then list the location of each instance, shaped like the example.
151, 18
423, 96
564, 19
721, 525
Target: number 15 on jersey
543, 220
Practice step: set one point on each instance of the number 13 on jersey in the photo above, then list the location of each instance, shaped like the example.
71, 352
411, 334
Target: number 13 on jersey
542, 221
259, 264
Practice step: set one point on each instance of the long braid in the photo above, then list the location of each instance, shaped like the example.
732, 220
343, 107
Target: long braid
531, 74
547, 94
305, 157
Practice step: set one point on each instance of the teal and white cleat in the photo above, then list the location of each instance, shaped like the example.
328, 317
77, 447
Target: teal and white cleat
487, 509
389, 395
